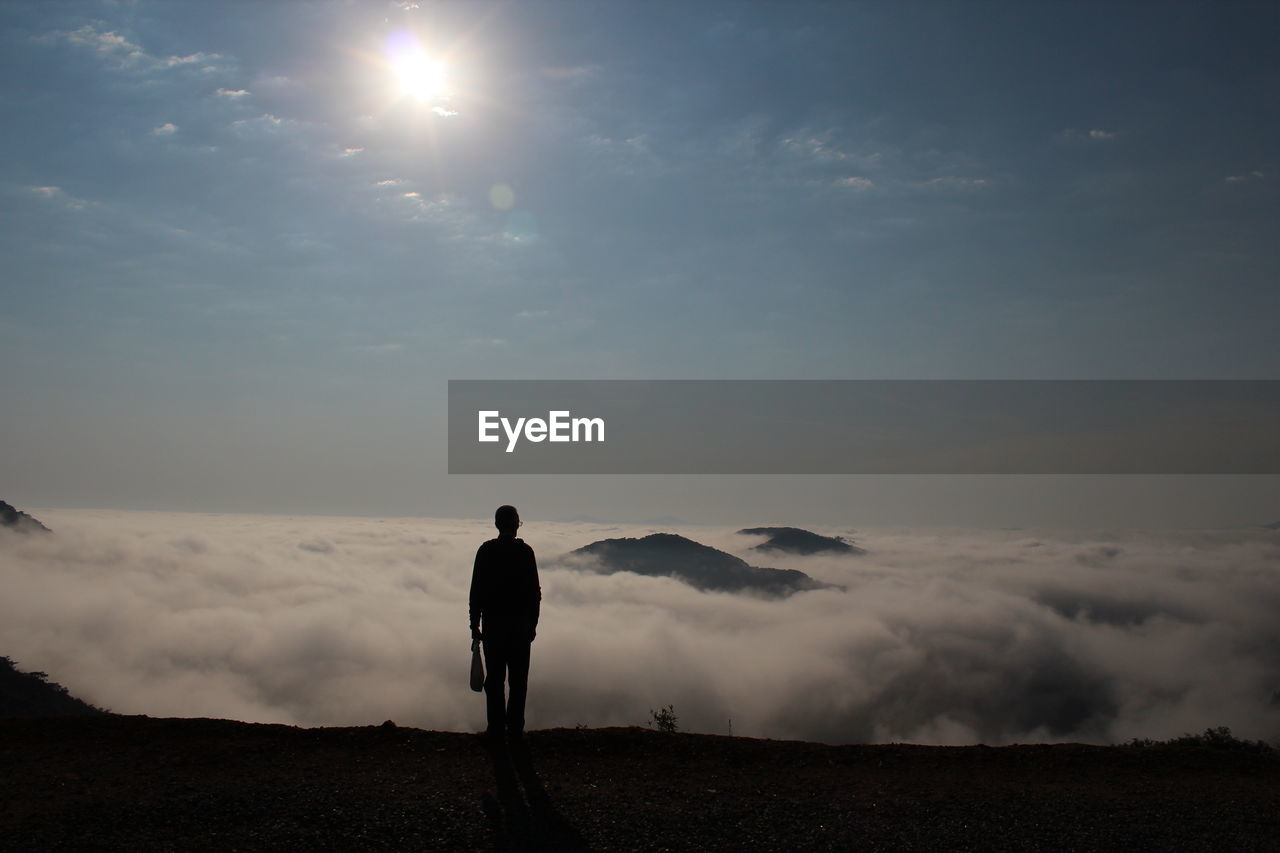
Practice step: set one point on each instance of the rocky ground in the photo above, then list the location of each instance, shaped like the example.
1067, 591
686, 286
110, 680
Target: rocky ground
137, 783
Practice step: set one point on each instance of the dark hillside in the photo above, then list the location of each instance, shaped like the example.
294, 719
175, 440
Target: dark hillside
12, 518
29, 694
140, 784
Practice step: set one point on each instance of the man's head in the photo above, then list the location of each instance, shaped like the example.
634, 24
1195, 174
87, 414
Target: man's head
506, 519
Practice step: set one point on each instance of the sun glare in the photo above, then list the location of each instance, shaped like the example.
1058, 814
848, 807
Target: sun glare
418, 75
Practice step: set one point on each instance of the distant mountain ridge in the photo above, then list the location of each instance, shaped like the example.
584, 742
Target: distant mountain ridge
701, 566
13, 518
794, 540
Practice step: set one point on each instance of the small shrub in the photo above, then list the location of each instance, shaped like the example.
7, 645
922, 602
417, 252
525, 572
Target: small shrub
1216, 738
664, 719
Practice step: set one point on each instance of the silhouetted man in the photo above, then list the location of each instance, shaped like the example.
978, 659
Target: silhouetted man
505, 601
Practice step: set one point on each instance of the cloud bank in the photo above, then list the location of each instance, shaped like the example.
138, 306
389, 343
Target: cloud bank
939, 636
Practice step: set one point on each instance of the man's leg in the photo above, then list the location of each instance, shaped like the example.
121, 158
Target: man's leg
518, 675
495, 662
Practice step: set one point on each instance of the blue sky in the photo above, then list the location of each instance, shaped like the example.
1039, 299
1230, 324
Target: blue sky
241, 261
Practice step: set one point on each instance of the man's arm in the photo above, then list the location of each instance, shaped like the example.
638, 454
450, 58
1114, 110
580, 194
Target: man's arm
535, 603
475, 601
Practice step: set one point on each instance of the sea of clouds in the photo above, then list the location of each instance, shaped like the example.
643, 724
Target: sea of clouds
943, 636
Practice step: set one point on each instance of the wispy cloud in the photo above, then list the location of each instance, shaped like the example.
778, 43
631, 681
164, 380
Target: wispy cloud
166, 129
953, 182
118, 52
1096, 134
105, 43
59, 195
818, 148
1255, 175
627, 155
200, 58
453, 219
814, 148
260, 126
856, 183
232, 93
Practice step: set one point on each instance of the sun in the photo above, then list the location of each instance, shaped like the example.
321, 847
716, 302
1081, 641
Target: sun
418, 75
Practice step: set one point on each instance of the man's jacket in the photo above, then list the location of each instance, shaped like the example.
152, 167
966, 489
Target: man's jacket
505, 592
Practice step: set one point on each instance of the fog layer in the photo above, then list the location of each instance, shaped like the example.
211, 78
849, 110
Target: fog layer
938, 636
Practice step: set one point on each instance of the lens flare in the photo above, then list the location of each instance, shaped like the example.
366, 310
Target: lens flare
502, 197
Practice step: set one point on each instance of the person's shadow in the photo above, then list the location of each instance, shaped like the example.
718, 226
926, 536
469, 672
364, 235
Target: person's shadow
529, 821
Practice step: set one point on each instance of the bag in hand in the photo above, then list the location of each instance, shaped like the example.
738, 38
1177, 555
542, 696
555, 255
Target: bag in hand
477, 667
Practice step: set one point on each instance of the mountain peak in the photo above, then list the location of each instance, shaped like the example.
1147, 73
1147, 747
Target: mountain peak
794, 540
12, 518
701, 566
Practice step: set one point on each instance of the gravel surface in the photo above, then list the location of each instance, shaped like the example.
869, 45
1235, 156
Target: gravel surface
142, 784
